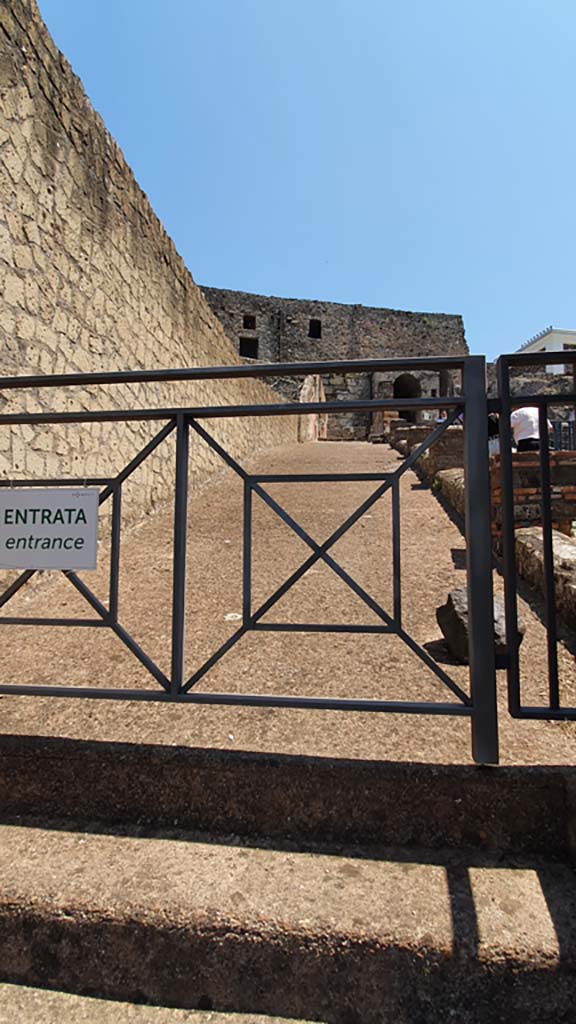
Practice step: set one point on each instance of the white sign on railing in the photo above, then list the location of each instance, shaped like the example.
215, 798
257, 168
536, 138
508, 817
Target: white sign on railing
48, 528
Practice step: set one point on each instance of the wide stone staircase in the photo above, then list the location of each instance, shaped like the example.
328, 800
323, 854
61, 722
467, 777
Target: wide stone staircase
343, 891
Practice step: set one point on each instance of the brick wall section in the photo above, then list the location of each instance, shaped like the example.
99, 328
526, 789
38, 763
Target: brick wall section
282, 328
527, 491
90, 281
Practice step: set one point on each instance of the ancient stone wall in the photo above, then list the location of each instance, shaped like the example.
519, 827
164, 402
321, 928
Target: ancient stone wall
284, 328
527, 492
90, 281
295, 330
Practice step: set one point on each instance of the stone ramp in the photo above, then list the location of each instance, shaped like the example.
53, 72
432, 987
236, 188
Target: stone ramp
393, 936
341, 891
25, 1005
276, 664
352, 869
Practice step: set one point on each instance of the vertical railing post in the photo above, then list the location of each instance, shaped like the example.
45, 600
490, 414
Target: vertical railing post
479, 565
548, 558
509, 538
115, 552
396, 553
179, 563
247, 556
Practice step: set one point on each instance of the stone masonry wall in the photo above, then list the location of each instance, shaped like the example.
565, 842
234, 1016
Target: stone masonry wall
347, 331
90, 281
279, 331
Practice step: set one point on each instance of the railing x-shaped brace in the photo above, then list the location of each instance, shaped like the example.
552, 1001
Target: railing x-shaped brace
251, 620
106, 616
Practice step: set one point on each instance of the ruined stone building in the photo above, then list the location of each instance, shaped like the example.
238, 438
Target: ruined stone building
276, 330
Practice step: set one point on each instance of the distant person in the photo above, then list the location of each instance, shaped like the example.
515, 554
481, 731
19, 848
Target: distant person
526, 428
493, 434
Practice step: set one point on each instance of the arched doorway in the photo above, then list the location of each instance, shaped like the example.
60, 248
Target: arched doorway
407, 386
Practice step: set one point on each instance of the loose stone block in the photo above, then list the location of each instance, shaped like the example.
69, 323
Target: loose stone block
452, 618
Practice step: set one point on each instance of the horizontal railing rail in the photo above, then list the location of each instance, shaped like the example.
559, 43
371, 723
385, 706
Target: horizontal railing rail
537, 358
230, 411
60, 380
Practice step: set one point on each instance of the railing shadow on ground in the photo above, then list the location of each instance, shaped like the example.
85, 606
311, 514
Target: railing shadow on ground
554, 874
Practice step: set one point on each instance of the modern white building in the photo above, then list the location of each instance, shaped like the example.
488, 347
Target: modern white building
552, 339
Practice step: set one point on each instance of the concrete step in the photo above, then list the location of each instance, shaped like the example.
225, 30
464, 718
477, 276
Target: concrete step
306, 799
20, 1004
396, 937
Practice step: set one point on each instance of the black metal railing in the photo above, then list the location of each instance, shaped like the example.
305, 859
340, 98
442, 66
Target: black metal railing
555, 708
563, 437
479, 706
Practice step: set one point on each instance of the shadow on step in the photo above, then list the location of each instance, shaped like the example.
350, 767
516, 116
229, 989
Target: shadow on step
519, 809
517, 886
475, 823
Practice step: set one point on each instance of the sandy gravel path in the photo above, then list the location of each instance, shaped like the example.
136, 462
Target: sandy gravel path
370, 666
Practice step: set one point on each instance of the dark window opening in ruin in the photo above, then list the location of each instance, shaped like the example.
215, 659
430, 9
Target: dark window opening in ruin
249, 322
433, 392
407, 386
315, 329
249, 348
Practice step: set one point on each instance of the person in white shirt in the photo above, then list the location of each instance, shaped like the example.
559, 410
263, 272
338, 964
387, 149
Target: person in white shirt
525, 428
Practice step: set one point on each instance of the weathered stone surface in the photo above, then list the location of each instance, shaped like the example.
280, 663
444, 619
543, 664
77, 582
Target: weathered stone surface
451, 484
338, 937
23, 1003
530, 562
285, 797
445, 454
281, 328
452, 618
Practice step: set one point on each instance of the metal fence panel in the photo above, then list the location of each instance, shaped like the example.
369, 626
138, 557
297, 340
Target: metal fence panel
480, 707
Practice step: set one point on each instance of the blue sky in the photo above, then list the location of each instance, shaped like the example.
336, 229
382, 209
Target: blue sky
418, 155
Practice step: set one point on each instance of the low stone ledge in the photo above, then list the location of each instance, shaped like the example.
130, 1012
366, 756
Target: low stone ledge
450, 483
530, 562
529, 548
446, 453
